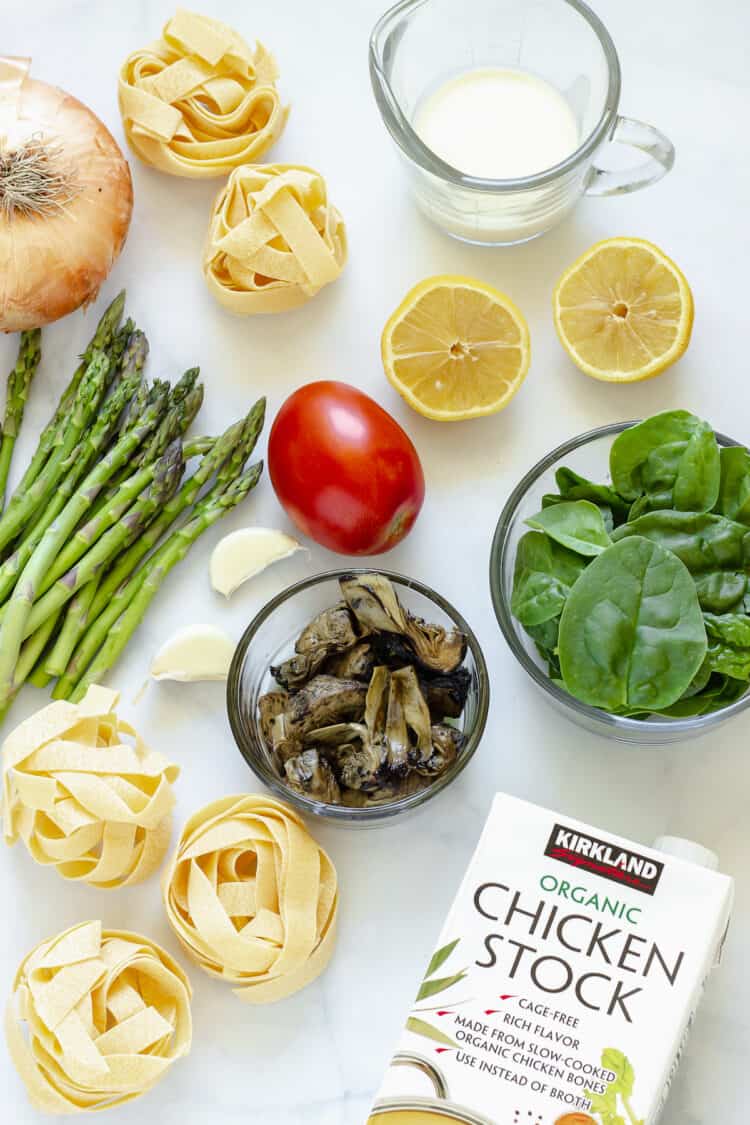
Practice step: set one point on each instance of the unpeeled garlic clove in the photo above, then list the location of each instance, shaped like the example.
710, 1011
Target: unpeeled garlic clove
198, 652
242, 554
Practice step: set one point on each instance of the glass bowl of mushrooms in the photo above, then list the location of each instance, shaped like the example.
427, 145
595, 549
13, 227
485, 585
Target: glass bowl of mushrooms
357, 695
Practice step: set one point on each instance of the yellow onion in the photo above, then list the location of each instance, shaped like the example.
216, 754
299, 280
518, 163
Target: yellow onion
65, 200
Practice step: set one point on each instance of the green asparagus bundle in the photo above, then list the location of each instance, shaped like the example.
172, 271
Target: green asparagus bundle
100, 517
142, 588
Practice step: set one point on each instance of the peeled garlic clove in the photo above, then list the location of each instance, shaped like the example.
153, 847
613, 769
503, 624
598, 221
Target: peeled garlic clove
243, 554
199, 652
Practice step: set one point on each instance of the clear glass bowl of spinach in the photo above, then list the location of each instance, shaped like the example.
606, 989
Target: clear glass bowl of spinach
620, 577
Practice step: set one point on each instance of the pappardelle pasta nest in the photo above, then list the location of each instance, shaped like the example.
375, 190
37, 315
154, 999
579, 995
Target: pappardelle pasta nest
252, 897
95, 1019
200, 101
274, 239
83, 798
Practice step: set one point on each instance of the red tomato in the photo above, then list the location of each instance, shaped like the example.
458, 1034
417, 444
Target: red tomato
344, 470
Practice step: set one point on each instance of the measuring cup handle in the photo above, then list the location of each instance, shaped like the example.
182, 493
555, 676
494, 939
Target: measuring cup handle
406, 1058
636, 134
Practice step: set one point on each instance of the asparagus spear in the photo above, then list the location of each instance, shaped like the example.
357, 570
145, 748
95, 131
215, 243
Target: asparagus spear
77, 617
101, 340
146, 584
29, 655
19, 605
96, 438
166, 477
88, 397
19, 381
227, 456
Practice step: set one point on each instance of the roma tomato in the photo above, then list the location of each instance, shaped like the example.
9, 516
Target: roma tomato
344, 470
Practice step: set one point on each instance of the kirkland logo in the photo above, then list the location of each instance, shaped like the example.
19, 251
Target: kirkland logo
630, 869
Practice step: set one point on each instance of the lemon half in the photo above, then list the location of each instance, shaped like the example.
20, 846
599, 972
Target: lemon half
456, 348
623, 311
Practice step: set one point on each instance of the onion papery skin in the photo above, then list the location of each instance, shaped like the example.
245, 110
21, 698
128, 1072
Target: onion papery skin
50, 264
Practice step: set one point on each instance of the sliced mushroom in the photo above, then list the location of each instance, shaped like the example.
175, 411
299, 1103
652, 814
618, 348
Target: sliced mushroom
332, 631
311, 774
269, 706
355, 664
323, 701
408, 730
446, 695
373, 601
446, 743
441, 649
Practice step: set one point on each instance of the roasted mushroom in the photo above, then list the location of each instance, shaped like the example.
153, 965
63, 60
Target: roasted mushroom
446, 743
374, 603
361, 719
269, 706
332, 631
446, 695
310, 774
323, 701
355, 664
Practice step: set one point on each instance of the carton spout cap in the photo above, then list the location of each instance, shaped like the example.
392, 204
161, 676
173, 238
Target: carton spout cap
688, 850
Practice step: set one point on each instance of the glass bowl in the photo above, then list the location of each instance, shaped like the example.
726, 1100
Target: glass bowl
587, 454
269, 639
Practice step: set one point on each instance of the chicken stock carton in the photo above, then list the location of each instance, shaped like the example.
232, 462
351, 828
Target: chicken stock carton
564, 982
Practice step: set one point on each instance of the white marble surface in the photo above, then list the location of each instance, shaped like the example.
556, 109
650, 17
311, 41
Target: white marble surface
315, 1059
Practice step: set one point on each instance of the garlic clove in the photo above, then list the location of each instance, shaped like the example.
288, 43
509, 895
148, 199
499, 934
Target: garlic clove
198, 652
242, 554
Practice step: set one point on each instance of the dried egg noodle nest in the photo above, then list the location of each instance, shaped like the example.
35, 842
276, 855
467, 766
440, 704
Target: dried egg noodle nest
106, 1014
200, 101
252, 897
274, 239
82, 799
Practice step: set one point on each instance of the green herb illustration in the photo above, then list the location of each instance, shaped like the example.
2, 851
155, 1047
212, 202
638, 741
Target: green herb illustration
433, 985
606, 1105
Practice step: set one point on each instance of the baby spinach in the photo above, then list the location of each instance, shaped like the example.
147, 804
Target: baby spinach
631, 632
544, 574
573, 486
575, 524
734, 488
621, 626
729, 644
670, 460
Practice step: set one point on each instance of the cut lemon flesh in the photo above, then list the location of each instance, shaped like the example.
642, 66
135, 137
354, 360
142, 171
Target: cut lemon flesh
456, 348
623, 311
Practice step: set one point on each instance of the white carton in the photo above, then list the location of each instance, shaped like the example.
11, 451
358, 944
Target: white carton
564, 982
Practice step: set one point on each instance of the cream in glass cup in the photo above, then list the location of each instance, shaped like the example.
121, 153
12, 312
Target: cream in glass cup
547, 72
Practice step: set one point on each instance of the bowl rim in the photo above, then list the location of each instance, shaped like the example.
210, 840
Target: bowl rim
256, 756
505, 619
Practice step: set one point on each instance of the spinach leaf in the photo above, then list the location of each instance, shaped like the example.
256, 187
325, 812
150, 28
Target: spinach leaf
734, 489
729, 644
671, 459
719, 691
715, 550
575, 524
573, 486
544, 574
551, 498
631, 632
545, 637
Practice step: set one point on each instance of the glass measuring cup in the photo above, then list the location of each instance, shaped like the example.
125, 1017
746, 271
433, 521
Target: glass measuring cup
420, 44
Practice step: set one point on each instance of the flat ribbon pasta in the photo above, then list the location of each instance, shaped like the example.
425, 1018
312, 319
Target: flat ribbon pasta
274, 239
81, 798
200, 101
252, 897
106, 1013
